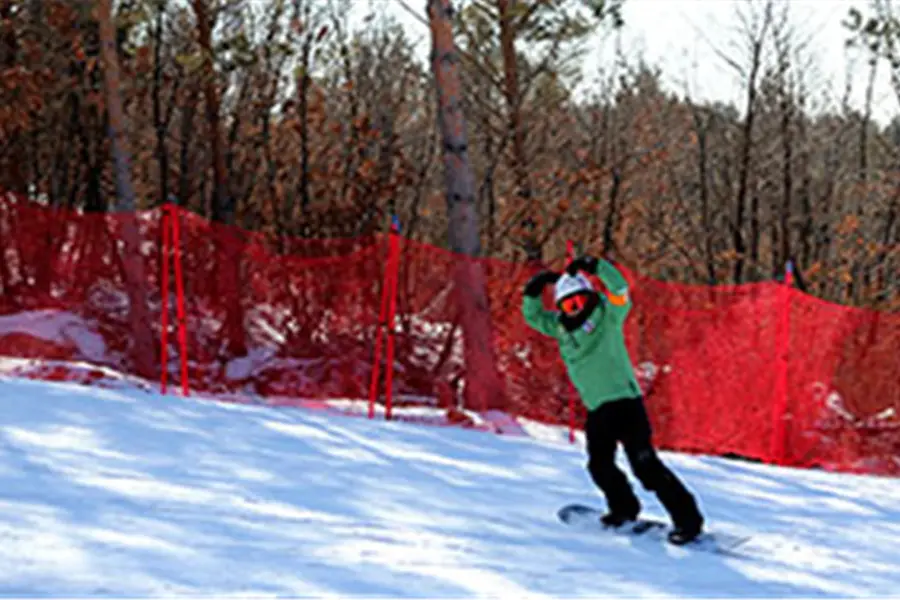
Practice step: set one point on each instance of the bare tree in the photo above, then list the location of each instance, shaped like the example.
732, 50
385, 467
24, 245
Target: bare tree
879, 34
130, 253
223, 204
483, 387
756, 27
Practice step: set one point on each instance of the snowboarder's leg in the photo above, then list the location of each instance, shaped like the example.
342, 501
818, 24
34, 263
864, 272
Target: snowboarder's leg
601, 447
657, 477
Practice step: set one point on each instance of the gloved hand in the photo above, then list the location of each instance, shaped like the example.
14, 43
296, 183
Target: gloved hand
536, 284
585, 263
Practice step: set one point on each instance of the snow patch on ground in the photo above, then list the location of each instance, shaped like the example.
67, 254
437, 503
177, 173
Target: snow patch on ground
59, 327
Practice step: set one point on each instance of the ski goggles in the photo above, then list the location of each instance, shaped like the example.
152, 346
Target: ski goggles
573, 304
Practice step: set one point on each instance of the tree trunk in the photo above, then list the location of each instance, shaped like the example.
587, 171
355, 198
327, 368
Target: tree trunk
757, 39
184, 160
223, 206
864, 128
609, 226
303, 91
787, 179
483, 385
14, 176
132, 263
507, 9
352, 125
886, 283
755, 233
159, 123
740, 244
703, 181
861, 275
223, 209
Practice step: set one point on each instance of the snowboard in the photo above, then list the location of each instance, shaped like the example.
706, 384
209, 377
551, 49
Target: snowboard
587, 518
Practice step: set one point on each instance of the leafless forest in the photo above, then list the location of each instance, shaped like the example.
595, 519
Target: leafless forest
279, 116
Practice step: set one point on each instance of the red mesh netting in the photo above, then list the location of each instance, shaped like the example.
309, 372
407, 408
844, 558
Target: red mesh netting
761, 371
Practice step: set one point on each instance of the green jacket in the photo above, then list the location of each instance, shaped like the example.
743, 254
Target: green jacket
595, 354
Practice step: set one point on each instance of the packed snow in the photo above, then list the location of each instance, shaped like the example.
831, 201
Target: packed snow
123, 492
58, 327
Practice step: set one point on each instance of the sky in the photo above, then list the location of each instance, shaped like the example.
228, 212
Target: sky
679, 36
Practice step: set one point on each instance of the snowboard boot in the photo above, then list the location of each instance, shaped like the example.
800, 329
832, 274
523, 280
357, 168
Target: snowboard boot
616, 520
680, 535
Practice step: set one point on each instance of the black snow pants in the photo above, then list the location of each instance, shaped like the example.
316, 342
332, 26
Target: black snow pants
626, 421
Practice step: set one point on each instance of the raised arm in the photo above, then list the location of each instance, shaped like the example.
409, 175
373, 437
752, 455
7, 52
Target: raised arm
615, 283
533, 310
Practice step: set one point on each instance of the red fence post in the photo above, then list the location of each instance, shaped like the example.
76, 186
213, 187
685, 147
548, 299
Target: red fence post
570, 256
385, 316
164, 301
376, 362
779, 407
179, 292
392, 311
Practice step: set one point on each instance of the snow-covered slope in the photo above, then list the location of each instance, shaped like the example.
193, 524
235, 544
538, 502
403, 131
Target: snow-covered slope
118, 492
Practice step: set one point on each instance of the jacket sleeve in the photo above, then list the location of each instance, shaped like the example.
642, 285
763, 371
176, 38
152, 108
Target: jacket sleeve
537, 317
619, 300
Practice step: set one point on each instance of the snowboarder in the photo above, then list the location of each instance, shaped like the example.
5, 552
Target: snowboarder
588, 329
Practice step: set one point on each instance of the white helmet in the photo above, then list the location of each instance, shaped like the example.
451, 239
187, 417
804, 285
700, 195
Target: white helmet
569, 285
